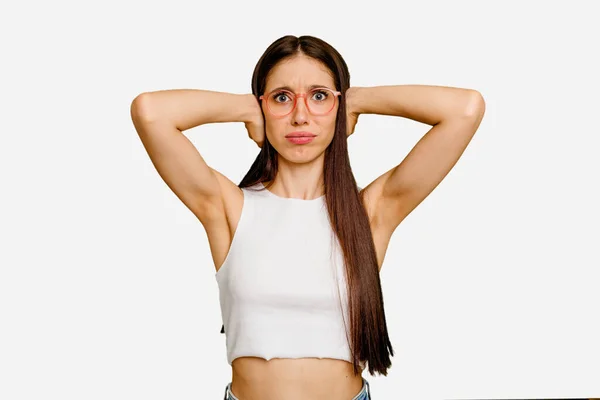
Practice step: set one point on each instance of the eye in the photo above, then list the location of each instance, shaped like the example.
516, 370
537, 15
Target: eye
279, 95
320, 95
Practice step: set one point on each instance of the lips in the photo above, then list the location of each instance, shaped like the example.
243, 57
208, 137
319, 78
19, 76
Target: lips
300, 134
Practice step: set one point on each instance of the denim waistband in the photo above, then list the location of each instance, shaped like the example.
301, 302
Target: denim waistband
364, 394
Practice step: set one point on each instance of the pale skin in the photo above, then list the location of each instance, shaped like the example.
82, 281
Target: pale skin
453, 113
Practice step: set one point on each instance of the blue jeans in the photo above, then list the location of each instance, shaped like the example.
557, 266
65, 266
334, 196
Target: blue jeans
364, 394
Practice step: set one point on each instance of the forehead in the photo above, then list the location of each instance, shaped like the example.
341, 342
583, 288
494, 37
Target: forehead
299, 73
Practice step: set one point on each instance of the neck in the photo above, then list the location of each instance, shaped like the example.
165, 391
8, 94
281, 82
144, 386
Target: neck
299, 181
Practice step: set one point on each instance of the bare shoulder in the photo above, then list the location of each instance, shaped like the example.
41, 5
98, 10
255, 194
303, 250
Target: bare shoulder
231, 195
372, 200
223, 224
371, 196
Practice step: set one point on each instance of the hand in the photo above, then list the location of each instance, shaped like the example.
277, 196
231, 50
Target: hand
255, 123
351, 111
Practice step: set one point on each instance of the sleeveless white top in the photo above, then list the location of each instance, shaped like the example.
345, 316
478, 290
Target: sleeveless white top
282, 286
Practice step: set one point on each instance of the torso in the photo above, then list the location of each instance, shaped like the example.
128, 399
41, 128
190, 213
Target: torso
287, 377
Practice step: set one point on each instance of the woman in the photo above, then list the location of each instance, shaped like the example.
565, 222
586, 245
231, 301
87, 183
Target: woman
297, 246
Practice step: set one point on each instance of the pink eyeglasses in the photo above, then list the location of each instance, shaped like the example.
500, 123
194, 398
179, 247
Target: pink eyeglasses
319, 101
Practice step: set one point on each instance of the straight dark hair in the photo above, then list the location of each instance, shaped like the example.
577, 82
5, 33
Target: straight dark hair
369, 340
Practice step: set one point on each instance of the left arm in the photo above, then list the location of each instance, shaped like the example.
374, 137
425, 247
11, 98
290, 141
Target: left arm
453, 113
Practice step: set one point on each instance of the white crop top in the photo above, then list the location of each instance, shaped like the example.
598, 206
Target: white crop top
281, 283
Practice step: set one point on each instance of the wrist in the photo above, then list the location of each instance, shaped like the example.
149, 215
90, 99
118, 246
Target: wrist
353, 100
249, 108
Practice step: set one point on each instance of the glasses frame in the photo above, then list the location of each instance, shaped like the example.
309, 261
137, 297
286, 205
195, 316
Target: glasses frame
298, 95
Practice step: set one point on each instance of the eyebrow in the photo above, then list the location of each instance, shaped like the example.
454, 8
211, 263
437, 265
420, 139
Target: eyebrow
311, 87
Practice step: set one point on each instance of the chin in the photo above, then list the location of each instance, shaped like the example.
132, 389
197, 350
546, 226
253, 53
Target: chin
301, 154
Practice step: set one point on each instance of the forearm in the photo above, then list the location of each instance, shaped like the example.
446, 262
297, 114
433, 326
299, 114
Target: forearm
188, 108
425, 104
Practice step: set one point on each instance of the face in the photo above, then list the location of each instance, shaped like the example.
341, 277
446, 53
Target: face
299, 74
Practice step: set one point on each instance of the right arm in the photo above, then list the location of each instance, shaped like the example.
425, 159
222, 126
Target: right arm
160, 119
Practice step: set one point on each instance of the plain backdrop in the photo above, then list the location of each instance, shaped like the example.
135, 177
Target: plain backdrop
107, 286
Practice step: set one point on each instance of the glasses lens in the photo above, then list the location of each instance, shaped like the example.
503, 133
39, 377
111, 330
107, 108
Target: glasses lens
320, 101
281, 103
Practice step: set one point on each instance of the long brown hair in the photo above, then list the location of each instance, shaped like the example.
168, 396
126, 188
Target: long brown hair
369, 340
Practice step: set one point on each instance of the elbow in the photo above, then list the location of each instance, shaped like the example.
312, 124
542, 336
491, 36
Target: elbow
476, 105
141, 107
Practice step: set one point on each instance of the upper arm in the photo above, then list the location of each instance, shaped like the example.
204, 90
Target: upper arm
396, 193
179, 164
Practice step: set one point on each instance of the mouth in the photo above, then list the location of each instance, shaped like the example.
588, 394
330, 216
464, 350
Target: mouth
300, 135
300, 139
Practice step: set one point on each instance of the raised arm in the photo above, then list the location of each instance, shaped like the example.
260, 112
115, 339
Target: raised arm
161, 117
453, 113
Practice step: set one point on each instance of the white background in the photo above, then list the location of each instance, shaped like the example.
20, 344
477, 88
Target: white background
107, 286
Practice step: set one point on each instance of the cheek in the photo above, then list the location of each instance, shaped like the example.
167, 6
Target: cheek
272, 127
332, 124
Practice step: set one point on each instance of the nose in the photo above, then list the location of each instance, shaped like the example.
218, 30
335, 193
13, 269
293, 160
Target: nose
300, 113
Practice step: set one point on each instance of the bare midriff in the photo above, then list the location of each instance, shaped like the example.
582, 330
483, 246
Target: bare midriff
294, 379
